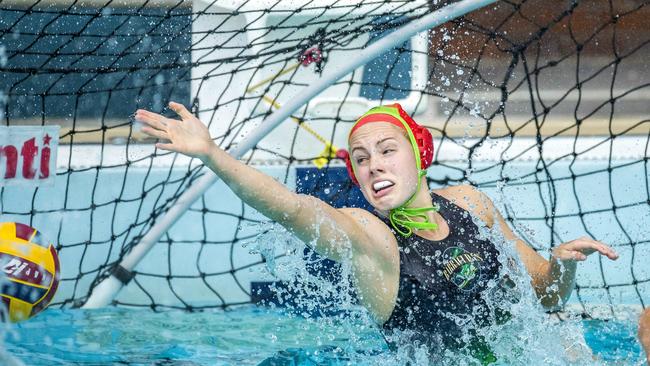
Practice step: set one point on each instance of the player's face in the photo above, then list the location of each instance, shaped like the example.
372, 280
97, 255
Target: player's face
384, 164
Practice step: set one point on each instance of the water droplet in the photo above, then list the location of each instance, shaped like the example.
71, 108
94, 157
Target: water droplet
160, 79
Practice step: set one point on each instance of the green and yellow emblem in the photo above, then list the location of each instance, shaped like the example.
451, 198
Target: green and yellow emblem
461, 267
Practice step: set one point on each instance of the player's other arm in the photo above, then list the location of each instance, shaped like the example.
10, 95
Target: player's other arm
554, 279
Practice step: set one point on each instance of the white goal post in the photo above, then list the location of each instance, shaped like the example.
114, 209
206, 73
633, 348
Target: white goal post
106, 291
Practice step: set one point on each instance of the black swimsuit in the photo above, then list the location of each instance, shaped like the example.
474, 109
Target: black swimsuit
442, 284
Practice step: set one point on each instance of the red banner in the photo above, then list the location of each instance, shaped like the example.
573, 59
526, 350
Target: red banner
28, 155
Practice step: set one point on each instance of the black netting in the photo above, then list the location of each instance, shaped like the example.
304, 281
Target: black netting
524, 98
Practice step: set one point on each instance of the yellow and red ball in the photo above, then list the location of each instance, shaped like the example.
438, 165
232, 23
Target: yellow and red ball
31, 271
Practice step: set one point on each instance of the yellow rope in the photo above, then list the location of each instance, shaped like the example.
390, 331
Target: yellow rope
330, 149
303, 124
269, 79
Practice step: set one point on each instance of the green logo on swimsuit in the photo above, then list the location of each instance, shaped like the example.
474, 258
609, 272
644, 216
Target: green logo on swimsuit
461, 267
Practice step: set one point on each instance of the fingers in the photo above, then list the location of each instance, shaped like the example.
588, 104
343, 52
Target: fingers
160, 122
154, 120
565, 254
587, 246
605, 250
180, 110
601, 248
608, 252
578, 256
162, 135
165, 146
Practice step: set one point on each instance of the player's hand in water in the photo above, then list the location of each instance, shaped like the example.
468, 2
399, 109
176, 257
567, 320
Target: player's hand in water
579, 249
188, 136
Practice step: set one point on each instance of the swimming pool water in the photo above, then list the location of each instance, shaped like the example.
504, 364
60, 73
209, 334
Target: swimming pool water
244, 336
247, 335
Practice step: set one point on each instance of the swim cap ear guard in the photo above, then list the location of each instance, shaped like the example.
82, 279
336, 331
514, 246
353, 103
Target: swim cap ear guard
402, 217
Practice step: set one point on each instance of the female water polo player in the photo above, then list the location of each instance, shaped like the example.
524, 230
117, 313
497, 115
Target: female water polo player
418, 261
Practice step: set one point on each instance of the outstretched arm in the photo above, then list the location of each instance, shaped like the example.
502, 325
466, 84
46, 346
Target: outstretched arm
552, 279
330, 231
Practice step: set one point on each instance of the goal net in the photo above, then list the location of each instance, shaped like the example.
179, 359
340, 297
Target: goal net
543, 106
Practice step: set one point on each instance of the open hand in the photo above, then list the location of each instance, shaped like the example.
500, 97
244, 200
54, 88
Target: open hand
188, 136
579, 249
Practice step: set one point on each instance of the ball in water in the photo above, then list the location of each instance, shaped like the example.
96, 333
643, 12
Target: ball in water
30, 267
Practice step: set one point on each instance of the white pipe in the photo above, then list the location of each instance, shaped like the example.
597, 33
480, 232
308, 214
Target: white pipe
104, 293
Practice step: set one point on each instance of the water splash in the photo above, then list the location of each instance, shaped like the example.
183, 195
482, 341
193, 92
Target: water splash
329, 305
528, 336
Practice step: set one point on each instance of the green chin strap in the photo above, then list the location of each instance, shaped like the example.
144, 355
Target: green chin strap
405, 219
